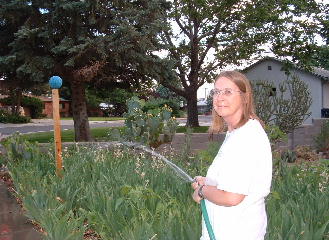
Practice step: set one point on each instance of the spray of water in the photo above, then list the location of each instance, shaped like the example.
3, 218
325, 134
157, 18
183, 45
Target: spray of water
177, 169
180, 173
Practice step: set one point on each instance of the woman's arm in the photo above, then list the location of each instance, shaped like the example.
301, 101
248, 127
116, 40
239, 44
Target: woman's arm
219, 197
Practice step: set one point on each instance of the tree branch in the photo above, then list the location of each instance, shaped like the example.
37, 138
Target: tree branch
209, 44
177, 58
182, 27
175, 89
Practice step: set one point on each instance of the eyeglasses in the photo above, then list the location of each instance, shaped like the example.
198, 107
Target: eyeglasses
226, 92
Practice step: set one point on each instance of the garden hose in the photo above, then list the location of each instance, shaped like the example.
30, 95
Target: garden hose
206, 220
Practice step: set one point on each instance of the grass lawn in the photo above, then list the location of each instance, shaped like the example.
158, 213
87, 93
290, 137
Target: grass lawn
98, 134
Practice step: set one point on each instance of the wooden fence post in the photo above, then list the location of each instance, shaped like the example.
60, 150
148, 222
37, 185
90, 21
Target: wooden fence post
55, 83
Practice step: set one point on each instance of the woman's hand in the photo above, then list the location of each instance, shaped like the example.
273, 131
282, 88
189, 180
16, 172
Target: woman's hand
199, 180
196, 196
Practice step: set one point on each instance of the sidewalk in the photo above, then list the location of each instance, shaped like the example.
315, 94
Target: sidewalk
13, 224
35, 122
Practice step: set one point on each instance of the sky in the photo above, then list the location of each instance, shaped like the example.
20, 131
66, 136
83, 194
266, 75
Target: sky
204, 90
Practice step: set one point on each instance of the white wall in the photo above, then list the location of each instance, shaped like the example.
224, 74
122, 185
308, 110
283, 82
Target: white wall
204, 90
261, 72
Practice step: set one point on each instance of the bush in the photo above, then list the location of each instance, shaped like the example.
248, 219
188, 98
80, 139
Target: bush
146, 126
288, 156
275, 134
305, 153
34, 104
6, 117
322, 139
157, 103
287, 108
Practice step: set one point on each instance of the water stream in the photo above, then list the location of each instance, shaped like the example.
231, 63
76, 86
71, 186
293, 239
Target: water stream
181, 173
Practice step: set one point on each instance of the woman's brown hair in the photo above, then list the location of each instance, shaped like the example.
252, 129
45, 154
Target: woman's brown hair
241, 81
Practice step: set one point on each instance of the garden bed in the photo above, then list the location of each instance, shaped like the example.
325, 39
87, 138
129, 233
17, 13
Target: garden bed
120, 194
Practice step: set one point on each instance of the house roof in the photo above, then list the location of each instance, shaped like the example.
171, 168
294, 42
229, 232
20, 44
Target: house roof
318, 72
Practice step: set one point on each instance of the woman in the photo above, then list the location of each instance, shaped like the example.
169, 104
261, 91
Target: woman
240, 176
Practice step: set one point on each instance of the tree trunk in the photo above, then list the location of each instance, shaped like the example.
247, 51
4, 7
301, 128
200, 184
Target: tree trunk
79, 111
192, 109
16, 96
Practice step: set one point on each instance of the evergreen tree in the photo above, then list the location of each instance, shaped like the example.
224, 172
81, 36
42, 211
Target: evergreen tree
108, 42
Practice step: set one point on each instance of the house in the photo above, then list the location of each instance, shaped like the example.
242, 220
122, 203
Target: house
317, 80
202, 106
64, 107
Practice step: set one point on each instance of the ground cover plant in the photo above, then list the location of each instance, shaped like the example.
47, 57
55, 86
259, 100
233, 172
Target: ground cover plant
121, 194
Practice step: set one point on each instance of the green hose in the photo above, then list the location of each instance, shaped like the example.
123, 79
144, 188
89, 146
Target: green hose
206, 220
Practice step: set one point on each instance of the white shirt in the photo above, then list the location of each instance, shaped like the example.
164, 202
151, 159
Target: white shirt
243, 165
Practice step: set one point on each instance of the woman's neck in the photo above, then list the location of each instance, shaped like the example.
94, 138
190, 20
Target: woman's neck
231, 124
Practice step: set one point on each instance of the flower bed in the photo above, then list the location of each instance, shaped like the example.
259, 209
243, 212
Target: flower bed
120, 194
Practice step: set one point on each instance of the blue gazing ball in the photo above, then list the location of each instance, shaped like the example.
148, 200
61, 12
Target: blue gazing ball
55, 82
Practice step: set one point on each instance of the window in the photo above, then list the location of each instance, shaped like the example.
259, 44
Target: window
62, 106
273, 92
269, 68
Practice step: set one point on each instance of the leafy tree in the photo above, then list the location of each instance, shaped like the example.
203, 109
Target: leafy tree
116, 98
209, 35
108, 42
321, 56
287, 107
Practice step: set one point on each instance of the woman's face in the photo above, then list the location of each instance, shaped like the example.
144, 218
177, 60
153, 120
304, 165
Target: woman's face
228, 101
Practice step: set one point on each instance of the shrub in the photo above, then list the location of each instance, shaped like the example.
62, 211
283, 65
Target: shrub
322, 139
275, 134
6, 117
305, 153
34, 104
146, 127
158, 103
288, 156
288, 107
